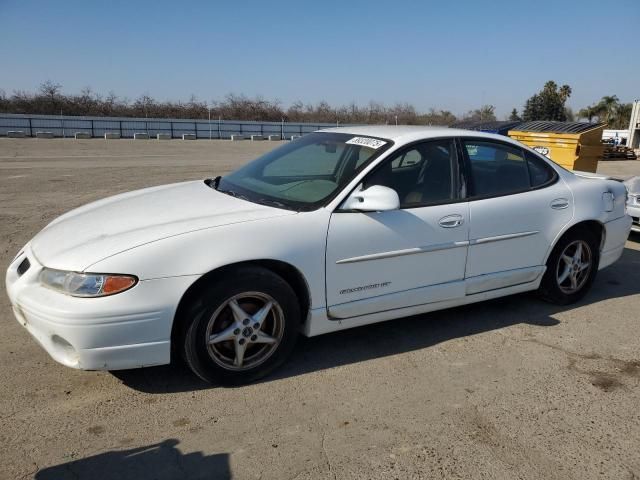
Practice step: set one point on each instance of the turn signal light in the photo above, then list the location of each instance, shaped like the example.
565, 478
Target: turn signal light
114, 284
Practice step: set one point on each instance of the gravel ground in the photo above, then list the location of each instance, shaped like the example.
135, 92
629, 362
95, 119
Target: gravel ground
512, 388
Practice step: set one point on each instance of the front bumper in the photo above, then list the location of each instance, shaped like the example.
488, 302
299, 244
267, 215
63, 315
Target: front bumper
127, 330
634, 211
616, 234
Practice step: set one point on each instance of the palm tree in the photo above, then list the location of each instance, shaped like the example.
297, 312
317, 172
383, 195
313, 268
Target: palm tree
607, 108
588, 113
622, 117
564, 92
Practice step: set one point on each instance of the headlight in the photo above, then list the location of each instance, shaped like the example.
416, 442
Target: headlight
86, 284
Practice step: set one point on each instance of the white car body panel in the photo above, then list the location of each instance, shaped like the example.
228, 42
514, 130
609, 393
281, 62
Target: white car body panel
634, 211
109, 226
633, 204
170, 236
378, 256
128, 330
518, 236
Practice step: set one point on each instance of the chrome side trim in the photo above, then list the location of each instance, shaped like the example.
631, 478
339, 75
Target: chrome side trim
407, 251
433, 248
393, 301
498, 238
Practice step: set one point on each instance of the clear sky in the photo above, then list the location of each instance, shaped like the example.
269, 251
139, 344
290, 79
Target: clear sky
455, 54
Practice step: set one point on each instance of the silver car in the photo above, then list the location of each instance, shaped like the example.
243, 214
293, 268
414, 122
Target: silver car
633, 201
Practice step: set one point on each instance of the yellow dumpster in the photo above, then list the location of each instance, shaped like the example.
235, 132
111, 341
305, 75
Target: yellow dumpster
574, 145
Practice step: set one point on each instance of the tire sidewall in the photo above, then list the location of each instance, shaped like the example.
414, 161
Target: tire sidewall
242, 280
549, 288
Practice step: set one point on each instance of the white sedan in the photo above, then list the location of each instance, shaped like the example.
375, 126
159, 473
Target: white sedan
341, 228
633, 202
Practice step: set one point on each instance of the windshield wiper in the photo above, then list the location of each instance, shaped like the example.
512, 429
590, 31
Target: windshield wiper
235, 194
263, 201
273, 203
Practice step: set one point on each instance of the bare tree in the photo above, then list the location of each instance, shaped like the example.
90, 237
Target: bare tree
485, 113
49, 99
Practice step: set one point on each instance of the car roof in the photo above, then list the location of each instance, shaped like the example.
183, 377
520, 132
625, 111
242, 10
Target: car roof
408, 133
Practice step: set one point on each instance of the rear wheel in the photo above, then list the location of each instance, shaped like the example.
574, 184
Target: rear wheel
241, 328
571, 268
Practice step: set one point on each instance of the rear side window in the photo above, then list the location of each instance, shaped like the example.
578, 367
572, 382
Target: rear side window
497, 169
539, 172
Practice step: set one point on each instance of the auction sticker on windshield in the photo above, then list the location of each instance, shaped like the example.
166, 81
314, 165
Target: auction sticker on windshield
367, 142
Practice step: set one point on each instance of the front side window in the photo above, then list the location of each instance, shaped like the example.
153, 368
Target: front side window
304, 174
421, 175
496, 169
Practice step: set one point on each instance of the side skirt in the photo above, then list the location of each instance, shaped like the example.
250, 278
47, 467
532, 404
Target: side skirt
394, 301
493, 281
319, 323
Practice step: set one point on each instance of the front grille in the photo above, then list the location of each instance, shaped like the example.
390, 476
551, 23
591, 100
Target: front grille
636, 220
24, 266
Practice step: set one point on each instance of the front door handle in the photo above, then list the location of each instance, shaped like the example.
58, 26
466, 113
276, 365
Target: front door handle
451, 221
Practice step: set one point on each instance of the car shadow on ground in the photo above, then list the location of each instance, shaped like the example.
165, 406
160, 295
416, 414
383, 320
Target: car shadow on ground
410, 333
158, 461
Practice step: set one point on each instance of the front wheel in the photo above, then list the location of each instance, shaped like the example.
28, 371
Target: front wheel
241, 328
571, 268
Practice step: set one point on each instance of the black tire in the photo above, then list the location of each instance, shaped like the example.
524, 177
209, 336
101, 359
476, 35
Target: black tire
550, 288
208, 361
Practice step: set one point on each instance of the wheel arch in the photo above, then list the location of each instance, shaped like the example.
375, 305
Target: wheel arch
288, 272
594, 226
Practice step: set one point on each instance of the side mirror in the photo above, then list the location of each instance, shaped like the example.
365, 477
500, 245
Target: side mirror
374, 199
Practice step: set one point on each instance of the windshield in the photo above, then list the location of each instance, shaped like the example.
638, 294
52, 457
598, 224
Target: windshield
306, 173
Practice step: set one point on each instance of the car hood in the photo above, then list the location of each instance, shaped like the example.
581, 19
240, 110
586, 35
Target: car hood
104, 228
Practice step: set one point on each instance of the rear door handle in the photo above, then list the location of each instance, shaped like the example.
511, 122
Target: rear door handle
560, 204
451, 221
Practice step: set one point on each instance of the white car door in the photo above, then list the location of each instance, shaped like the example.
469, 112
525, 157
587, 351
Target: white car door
518, 205
379, 261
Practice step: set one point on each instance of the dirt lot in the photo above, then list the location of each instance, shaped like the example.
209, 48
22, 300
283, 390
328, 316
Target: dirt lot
513, 388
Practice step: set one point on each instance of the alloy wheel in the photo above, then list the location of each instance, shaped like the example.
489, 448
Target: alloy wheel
574, 267
245, 331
